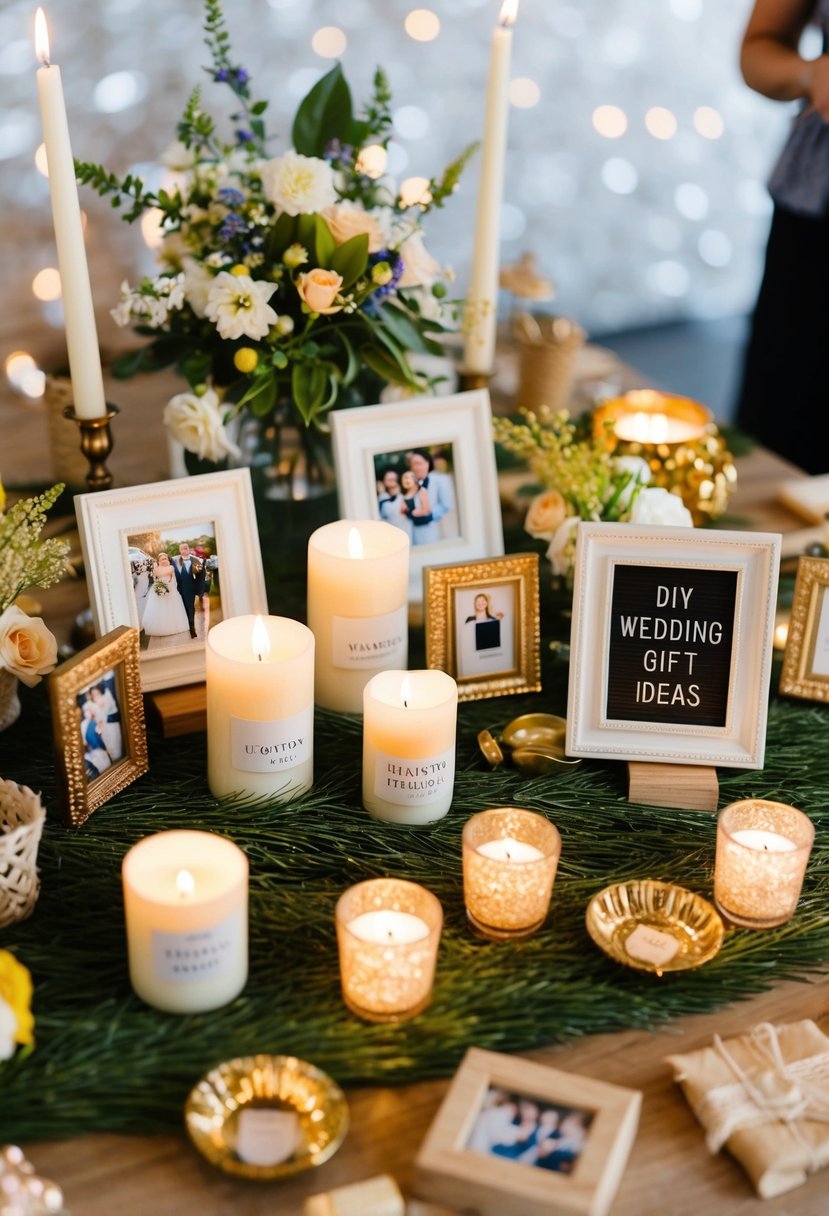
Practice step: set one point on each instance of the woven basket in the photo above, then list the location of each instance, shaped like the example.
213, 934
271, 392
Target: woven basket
9, 700
21, 823
548, 348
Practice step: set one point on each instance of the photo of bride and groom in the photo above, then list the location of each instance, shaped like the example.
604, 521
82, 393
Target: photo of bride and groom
175, 580
103, 743
416, 493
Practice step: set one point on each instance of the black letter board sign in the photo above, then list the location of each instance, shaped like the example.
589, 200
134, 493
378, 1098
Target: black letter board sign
671, 636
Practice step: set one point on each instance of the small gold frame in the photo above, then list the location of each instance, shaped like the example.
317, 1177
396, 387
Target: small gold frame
799, 678
80, 793
516, 572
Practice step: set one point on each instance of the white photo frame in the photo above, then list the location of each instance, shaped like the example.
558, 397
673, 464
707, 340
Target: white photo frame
460, 428
221, 506
616, 708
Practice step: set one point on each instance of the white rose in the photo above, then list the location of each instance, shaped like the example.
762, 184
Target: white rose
637, 469
299, 185
347, 220
239, 306
27, 648
420, 269
8, 1030
197, 283
561, 551
657, 506
196, 422
177, 158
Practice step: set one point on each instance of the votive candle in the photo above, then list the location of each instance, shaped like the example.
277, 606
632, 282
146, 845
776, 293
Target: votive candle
762, 851
388, 932
510, 857
186, 907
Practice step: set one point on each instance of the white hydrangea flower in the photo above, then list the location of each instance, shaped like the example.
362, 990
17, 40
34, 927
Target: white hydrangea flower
197, 424
657, 506
238, 305
298, 185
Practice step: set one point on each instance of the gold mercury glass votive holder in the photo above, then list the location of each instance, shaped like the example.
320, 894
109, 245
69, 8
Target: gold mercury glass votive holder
762, 851
679, 440
388, 932
510, 857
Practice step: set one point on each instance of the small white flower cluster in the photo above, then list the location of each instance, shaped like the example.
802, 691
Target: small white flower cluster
152, 303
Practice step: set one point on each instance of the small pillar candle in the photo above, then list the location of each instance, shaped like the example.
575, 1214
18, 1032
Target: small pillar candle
762, 851
388, 932
186, 906
409, 724
510, 857
358, 585
260, 707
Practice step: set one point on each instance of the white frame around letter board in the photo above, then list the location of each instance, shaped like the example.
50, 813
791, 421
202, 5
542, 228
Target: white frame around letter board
106, 519
463, 420
755, 556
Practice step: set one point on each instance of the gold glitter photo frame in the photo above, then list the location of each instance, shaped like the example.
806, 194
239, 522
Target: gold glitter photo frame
98, 723
806, 661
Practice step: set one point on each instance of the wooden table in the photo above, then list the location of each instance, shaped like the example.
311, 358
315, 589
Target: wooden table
670, 1170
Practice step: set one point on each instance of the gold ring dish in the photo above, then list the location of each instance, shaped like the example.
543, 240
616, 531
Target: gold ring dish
675, 929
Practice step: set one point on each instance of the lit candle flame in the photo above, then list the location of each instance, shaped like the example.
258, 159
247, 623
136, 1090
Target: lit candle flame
355, 543
260, 641
508, 13
406, 691
41, 37
185, 883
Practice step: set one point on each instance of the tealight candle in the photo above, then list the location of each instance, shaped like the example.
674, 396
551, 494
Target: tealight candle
185, 901
260, 707
358, 585
510, 857
388, 932
651, 418
409, 723
762, 851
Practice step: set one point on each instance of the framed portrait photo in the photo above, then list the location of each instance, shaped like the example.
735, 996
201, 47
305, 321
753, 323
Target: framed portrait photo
482, 625
671, 644
806, 661
425, 465
98, 723
172, 559
514, 1138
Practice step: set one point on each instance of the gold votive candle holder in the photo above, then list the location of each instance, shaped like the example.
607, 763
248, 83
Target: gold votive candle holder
388, 932
510, 857
762, 851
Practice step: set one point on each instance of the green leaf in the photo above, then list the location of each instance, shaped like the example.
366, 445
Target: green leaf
325, 114
305, 232
281, 235
352, 363
406, 330
384, 366
309, 382
324, 243
196, 368
350, 259
261, 395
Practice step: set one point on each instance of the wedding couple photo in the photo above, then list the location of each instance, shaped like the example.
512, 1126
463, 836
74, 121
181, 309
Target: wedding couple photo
518, 1128
416, 493
103, 742
175, 581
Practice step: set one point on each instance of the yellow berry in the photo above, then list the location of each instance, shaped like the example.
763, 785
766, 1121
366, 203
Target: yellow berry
239, 269
245, 360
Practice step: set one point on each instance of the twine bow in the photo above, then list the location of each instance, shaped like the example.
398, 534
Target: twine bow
772, 1092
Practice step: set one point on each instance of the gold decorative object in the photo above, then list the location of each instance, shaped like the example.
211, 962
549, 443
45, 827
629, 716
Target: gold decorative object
534, 744
510, 857
22, 1191
96, 445
543, 731
547, 351
762, 851
490, 748
314, 1107
654, 926
21, 824
680, 442
806, 664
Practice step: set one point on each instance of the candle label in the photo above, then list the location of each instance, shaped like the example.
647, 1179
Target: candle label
270, 747
413, 782
366, 643
183, 957
651, 946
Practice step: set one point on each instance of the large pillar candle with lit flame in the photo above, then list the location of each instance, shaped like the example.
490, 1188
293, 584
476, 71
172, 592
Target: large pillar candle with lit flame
260, 707
358, 580
409, 722
186, 907
78, 310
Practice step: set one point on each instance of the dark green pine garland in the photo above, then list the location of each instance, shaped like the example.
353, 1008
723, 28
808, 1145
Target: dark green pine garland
105, 1061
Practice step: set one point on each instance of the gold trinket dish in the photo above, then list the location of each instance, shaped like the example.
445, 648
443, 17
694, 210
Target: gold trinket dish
654, 926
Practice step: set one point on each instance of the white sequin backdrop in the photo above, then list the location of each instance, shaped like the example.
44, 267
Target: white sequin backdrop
636, 161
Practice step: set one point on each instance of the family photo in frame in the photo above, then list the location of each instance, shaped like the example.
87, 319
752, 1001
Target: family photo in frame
416, 493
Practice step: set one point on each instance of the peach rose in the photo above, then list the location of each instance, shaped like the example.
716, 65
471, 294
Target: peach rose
419, 267
319, 289
348, 219
27, 648
546, 514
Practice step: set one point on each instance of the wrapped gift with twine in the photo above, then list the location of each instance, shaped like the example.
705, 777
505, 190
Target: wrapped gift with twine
765, 1095
548, 348
21, 823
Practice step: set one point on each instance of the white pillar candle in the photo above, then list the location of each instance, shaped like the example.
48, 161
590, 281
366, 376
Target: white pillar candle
260, 707
185, 900
78, 309
409, 724
482, 302
510, 857
358, 583
762, 851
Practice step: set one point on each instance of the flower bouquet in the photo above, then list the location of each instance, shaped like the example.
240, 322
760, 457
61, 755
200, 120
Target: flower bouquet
288, 285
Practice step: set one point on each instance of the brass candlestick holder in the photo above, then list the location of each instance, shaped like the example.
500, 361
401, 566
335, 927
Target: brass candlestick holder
96, 445
472, 380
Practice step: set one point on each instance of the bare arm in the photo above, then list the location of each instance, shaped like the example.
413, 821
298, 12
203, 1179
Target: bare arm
769, 58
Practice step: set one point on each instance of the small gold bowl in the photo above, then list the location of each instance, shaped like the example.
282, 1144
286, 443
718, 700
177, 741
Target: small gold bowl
267, 1083
654, 926
490, 749
545, 732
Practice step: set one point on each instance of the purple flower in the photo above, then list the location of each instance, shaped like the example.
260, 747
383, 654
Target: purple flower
241, 76
397, 267
232, 225
221, 75
243, 136
233, 198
